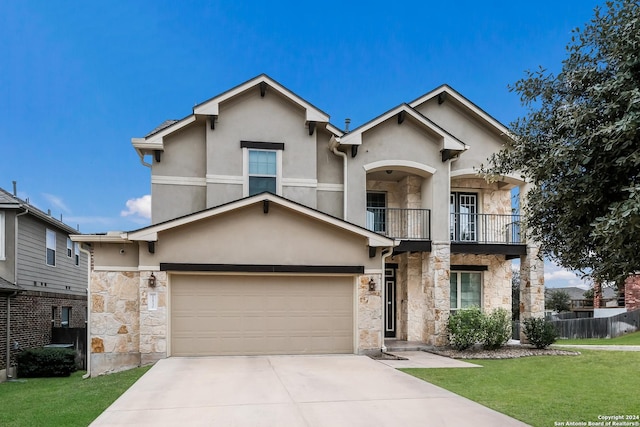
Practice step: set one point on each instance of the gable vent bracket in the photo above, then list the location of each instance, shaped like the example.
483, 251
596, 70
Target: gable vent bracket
157, 154
212, 121
354, 150
312, 127
401, 116
152, 247
263, 89
372, 252
441, 98
265, 206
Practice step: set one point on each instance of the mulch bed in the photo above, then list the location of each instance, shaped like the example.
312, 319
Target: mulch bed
506, 352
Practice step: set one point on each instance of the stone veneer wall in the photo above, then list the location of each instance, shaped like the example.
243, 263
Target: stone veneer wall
369, 316
496, 281
115, 321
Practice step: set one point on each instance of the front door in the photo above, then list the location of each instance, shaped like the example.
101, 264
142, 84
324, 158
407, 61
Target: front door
390, 302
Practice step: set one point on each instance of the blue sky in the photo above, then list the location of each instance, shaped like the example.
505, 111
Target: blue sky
78, 80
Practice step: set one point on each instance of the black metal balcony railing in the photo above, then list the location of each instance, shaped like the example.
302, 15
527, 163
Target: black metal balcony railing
397, 223
486, 228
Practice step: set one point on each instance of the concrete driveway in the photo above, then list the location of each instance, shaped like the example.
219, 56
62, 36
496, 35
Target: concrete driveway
341, 390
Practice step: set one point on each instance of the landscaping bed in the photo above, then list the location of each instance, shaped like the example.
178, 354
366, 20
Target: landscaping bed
511, 351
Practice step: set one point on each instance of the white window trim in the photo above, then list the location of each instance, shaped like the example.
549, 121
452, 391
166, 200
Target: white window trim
69, 248
54, 248
459, 293
245, 170
3, 237
76, 253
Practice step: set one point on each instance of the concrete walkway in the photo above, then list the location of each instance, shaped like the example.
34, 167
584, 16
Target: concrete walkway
422, 359
599, 347
340, 390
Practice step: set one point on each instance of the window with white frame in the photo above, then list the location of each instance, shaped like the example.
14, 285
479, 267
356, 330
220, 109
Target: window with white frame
3, 237
51, 247
262, 171
466, 289
76, 251
65, 318
262, 167
69, 248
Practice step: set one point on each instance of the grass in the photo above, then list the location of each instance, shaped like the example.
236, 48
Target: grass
545, 390
628, 339
69, 401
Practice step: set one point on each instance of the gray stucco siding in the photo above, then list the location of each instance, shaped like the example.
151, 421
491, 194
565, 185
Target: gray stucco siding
171, 201
184, 153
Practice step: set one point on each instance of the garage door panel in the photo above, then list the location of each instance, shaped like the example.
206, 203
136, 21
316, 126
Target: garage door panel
232, 315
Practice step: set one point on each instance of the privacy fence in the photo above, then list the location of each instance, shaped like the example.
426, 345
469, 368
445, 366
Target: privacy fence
603, 327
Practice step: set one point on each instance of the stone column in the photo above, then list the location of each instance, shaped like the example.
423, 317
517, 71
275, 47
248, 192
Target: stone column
436, 276
531, 286
153, 317
370, 331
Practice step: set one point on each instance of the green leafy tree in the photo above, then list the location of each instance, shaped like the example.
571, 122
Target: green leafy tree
558, 300
579, 145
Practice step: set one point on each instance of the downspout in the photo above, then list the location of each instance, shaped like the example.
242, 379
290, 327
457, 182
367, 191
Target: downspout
88, 327
15, 276
384, 257
333, 146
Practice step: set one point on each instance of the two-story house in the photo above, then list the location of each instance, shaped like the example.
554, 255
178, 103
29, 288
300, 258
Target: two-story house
43, 279
275, 232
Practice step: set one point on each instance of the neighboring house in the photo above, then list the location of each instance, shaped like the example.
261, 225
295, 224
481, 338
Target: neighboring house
274, 232
43, 278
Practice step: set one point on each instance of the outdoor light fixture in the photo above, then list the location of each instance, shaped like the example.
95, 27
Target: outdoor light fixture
372, 285
152, 281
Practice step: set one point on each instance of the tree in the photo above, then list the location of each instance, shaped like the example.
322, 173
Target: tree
579, 147
558, 301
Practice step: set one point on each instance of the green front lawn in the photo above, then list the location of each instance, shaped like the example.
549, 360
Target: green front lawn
628, 339
545, 390
69, 401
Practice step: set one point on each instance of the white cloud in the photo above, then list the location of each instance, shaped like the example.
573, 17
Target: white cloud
56, 202
140, 207
556, 276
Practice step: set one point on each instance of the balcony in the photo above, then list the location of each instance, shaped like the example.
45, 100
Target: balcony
487, 234
401, 224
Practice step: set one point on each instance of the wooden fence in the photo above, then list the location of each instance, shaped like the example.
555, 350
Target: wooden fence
603, 327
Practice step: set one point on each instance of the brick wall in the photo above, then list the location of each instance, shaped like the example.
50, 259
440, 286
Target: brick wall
31, 319
632, 292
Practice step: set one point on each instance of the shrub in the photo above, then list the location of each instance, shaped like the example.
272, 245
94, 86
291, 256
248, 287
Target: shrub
558, 301
496, 329
46, 362
540, 332
465, 328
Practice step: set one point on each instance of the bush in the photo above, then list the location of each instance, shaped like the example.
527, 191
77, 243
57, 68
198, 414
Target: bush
558, 301
540, 332
465, 328
496, 329
46, 362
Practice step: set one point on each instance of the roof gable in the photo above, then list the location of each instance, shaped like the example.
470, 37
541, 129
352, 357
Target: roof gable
265, 83
446, 92
151, 233
401, 111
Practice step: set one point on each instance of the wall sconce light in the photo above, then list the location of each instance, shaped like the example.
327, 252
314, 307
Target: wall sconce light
152, 281
372, 285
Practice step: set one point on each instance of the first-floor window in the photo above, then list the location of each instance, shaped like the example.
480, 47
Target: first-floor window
51, 247
66, 317
466, 289
262, 171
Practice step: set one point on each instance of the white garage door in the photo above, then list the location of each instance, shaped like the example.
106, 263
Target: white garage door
249, 315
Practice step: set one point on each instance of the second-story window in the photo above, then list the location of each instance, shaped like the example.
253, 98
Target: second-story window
2, 237
464, 217
377, 211
76, 251
69, 248
51, 247
262, 171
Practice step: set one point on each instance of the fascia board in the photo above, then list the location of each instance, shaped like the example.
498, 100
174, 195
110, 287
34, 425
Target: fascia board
334, 129
98, 238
